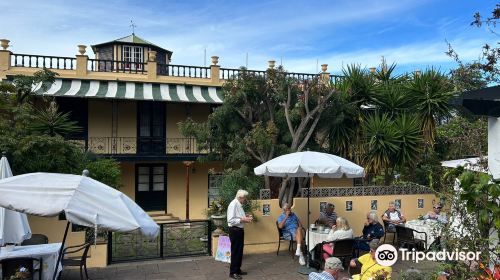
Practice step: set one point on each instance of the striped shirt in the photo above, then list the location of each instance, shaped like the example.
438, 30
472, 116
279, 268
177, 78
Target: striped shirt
330, 219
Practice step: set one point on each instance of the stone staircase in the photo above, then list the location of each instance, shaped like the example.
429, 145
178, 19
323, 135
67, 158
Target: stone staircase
161, 217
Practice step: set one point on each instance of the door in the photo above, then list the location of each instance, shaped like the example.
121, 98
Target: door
150, 186
151, 138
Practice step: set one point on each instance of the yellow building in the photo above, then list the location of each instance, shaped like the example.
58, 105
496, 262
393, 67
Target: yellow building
129, 100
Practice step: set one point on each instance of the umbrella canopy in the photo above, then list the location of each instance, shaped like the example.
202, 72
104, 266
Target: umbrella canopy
14, 226
85, 201
306, 164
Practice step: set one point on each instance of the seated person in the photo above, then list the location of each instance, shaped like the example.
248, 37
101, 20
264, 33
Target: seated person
332, 268
339, 231
436, 214
392, 217
328, 217
372, 230
369, 266
289, 223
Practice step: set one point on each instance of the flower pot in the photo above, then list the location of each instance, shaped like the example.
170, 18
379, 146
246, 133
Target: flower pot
82, 49
218, 221
4, 43
215, 60
271, 64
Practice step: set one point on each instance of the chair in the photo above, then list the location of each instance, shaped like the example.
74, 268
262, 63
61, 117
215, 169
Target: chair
342, 249
388, 229
79, 261
280, 238
11, 266
406, 238
36, 239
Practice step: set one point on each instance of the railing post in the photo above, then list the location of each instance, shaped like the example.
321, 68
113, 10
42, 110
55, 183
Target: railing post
81, 61
4, 55
161, 240
215, 70
325, 76
152, 65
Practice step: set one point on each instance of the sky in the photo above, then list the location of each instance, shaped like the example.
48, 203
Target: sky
300, 35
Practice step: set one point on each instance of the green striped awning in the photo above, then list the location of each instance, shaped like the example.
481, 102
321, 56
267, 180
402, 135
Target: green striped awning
131, 91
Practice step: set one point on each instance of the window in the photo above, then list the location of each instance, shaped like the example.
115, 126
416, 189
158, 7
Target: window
214, 182
132, 54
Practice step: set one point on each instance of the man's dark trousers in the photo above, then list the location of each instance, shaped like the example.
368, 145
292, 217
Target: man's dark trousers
237, 236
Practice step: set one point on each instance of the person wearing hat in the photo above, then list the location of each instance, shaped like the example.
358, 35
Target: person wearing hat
333, 266
369, 266
436, 214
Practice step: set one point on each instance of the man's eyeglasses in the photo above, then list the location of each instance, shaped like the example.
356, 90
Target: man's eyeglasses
437, 207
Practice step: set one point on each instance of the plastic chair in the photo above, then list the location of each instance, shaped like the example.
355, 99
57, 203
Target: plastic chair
342, 249
80, 261
11, 266
355, 270
280, 238
406, 238
36, 239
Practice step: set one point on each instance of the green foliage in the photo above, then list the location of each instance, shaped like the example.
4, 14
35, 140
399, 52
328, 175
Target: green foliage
50, 121
240, 179
462, 137
381, 140
23, 85
104, 170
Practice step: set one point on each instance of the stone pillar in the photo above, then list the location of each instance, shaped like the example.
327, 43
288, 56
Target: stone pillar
215, 71
372, 70
152, 65
4, 55
324, 76
188, 166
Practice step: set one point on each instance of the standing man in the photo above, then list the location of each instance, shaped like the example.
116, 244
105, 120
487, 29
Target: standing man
236, 217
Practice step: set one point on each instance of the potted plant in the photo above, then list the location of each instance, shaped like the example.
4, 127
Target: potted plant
217, 213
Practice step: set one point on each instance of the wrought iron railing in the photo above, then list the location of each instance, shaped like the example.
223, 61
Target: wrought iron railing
134, 145
104, 65
43, 61
336, 79
176, 239
184, 71
231, 73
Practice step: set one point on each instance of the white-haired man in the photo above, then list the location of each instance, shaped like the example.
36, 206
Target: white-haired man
236, 217
333, 266
290, 224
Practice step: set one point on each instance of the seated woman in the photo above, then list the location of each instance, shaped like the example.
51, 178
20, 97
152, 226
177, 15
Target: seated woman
436, 214
339, 231
369, 265
372, 230
392, 217
292, 229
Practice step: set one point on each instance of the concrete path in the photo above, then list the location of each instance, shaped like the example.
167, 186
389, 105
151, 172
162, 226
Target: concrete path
259, 266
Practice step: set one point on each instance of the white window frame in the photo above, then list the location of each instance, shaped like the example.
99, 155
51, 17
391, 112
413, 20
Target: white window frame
131, 54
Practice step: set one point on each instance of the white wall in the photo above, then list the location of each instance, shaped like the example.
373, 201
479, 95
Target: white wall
494, 147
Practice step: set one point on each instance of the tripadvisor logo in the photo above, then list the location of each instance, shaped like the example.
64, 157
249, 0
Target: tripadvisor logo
387, 255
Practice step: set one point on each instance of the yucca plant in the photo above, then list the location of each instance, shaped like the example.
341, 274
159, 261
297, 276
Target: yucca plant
410, 140
432, 91
51, 122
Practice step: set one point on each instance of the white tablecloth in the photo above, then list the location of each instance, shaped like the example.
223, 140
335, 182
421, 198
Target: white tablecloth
316, 238
48, 253
431, 228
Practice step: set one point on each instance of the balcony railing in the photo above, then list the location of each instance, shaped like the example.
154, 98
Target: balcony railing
184, 71
143, 146
103, 65
43, 61
85, 66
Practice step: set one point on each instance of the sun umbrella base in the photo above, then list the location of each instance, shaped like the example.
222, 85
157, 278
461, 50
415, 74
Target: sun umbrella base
305, 270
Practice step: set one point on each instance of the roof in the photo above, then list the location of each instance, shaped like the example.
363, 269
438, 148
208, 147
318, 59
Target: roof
131, 91
131, 39
485, 102
472, 164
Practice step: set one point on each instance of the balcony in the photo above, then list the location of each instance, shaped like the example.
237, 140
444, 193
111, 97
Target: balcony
141, 146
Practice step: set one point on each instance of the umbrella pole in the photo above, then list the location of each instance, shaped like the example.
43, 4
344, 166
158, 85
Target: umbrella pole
305, 270
61, 251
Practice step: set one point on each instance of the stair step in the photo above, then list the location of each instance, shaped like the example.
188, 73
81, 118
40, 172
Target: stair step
158, 213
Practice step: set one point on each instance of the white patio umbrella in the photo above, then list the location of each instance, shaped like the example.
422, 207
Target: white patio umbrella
84, 201
14, 226
308, 164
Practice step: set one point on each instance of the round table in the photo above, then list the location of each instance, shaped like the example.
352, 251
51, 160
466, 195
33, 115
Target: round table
316, 238
430, 227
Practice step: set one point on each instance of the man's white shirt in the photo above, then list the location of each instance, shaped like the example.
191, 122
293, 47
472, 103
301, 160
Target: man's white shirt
234, 214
